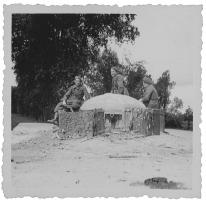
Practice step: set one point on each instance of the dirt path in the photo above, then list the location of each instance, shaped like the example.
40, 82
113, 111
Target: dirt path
109, 165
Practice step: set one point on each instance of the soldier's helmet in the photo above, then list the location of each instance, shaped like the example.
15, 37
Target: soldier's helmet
147, 80
116, 69
125, 80
78, 78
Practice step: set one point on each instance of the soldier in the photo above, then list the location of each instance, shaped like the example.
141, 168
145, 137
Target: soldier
118, 86
150, 97
86, 85
73, 99
125, 81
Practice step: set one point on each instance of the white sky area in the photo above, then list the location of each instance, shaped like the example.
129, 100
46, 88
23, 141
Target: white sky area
169, 40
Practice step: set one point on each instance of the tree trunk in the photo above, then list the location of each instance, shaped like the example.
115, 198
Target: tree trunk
188, 124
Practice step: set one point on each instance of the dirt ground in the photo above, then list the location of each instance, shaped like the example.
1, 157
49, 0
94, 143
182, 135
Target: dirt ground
106, 165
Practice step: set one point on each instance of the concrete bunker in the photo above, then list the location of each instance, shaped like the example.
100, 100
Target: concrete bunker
110, 113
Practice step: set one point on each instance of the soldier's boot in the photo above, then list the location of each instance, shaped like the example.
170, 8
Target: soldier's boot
54, 120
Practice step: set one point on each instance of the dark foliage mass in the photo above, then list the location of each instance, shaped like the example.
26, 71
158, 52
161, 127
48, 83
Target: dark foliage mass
48, 50
179, 121
174, 118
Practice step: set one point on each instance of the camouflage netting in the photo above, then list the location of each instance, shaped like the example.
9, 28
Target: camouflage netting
112, 103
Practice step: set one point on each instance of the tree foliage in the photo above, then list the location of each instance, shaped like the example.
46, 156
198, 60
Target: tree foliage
100, 79
99, 75
174, 120
164, 86
48, 50
175, 105
174, 117
136, 72
188, 116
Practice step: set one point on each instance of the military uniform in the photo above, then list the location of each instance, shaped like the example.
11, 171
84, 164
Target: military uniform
118, 86
73, 98
150, 97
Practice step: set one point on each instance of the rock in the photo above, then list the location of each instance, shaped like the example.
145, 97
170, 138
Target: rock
161, 183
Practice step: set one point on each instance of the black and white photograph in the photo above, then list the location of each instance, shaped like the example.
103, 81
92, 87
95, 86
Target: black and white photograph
102, 101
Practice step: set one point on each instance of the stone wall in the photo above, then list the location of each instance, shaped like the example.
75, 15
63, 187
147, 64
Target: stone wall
148, 122
90, 123
162, 120
142, 121
81, 124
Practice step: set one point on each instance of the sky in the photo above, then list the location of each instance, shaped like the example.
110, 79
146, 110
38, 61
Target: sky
170, 39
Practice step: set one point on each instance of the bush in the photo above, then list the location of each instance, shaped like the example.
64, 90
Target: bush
173, 120
177, 121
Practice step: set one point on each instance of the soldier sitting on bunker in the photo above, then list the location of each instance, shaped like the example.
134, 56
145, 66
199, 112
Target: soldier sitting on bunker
118, 85
72, 100
150, 96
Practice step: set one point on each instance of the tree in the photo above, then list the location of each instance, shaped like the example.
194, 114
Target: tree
48, 50
188, 115
14, 100
175, 105
100, 78
174, 118
164, 86
136, 72
99, 75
